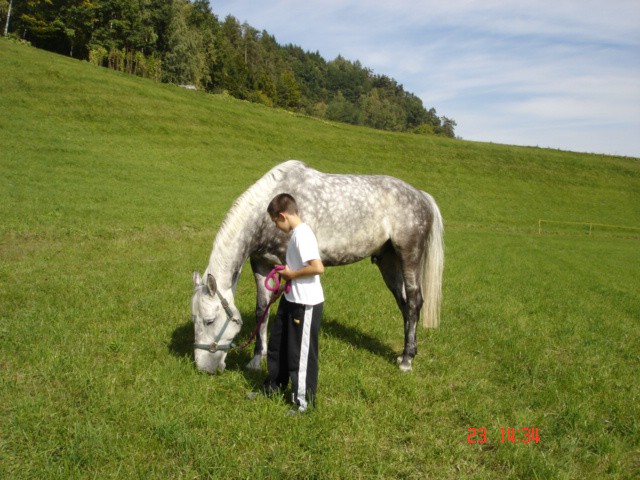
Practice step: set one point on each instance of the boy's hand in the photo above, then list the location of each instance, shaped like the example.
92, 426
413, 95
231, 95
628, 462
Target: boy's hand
287, 273
315, 267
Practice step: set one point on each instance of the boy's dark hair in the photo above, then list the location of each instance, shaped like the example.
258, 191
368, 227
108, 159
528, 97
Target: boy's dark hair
282, 203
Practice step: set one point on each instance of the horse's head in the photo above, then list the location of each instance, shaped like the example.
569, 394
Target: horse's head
215, 323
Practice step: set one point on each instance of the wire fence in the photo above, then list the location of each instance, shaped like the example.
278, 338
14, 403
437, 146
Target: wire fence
551, 228
586, 228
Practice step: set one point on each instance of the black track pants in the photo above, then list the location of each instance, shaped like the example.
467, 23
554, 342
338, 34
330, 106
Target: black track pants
292, 351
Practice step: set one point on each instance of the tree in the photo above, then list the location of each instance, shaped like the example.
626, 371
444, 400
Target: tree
62, 26
185, 60
203, 20
448, 127
231, 73
5, 9
342, 110
125, 24
310, 70
349, 78
80, 19
415, 112
381, 112
183, 42
288, 91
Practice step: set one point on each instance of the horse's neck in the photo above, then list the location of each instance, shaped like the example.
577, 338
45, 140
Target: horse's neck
237, 239
227, 258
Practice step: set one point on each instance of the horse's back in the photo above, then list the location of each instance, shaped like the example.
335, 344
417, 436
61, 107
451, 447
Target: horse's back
353, 216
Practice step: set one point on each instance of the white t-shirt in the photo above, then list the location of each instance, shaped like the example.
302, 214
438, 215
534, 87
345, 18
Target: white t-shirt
302, 248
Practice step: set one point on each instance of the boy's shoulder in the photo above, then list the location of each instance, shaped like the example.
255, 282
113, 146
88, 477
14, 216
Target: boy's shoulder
302, 232
304, 228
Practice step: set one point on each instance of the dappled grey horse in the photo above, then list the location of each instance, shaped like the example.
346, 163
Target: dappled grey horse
353, 217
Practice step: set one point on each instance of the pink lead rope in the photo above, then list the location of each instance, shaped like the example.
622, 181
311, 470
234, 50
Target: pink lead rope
273, 282
274, 276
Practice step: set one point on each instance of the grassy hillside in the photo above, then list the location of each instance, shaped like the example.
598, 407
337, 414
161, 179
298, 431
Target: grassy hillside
112, 190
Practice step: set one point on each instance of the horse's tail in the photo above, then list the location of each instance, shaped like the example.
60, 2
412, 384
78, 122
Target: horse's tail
432, 269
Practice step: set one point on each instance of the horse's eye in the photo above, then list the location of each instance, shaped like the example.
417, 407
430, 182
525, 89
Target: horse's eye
208, 321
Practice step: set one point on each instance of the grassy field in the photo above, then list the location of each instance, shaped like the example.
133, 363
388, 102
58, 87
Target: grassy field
112, 189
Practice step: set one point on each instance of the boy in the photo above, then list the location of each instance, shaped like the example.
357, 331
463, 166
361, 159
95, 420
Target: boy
293, 342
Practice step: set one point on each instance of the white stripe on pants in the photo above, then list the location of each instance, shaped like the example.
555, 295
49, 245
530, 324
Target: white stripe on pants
304, 357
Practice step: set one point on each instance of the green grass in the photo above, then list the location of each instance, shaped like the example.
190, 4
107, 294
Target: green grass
112, 189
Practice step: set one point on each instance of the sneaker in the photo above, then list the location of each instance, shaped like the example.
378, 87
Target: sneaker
253, 395
296, 411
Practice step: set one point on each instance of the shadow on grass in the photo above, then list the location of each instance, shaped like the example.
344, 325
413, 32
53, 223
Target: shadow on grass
358, 338
182, 339
181, 344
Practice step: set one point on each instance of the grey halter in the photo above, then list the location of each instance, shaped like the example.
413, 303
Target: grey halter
215, 346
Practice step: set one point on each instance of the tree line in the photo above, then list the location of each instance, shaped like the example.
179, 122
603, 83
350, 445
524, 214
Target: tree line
184, 42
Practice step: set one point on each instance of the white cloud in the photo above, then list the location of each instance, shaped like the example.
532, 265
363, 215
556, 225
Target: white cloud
514, 72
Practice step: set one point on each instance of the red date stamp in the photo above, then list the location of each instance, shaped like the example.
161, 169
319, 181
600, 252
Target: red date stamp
513, 435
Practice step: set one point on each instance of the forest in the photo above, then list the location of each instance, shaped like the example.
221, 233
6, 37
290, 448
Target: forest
185, 43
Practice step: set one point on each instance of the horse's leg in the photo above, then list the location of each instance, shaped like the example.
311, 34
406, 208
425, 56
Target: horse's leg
411, 314
401, 277
260, 272
391, 269
389, 264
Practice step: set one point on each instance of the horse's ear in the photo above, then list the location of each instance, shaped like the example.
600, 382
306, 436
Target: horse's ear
197, 279
211, 285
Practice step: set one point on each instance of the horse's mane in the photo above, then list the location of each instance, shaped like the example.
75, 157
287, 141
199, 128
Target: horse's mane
245, 209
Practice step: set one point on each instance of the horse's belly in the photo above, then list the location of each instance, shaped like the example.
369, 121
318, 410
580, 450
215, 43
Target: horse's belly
338, 249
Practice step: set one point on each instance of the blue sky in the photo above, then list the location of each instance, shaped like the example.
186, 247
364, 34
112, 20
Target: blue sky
562, 74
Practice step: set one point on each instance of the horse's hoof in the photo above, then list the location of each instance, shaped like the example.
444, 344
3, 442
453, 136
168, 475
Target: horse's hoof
405, 366
255, 363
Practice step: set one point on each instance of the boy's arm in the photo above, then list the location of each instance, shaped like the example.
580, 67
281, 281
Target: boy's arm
315, 267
